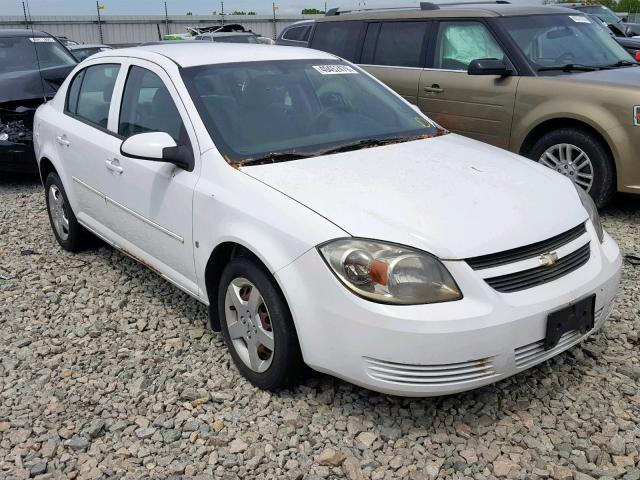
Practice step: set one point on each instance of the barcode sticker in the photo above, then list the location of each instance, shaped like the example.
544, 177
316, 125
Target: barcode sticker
42, 40
579, 19
335, 69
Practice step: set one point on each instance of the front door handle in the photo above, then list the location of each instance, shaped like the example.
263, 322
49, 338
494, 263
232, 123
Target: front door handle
62, 140
114, 166
435, 88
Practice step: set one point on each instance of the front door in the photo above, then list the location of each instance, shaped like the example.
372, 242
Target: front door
150, 203
479, 107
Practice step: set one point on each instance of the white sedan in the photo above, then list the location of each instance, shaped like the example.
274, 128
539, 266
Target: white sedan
322, 218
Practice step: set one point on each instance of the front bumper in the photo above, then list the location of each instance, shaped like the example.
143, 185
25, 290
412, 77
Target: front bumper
17, 157
438, 349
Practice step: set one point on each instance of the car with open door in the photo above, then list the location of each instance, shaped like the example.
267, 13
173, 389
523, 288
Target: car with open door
322, 218
545, 82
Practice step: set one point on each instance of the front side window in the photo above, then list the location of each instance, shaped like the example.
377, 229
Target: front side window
18, 54
400, 44
297, 34
303, 107
550, 41
339, 38
459, 43
89, 95
147, 106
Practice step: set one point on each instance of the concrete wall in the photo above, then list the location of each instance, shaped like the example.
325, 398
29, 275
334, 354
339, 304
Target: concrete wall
123, 30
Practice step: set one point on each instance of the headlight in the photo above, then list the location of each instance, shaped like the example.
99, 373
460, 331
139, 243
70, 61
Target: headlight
592, 210
388, 273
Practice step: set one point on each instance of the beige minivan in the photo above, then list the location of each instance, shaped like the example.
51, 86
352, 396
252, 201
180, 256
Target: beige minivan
546, 82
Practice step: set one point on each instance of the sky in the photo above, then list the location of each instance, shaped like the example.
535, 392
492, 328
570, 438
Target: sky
181, 7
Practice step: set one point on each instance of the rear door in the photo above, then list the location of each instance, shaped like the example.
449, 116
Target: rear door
84, 142
479, 107
394, 53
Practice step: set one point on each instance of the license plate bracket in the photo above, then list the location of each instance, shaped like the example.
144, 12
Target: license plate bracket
578, 316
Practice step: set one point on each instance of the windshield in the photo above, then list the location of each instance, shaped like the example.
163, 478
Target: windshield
603, 13
19, 54
303, 107
557, 40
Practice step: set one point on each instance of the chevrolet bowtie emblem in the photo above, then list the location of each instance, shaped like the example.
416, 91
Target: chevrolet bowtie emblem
548, 259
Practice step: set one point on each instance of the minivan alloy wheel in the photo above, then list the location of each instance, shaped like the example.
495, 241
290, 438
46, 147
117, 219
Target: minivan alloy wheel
249, 324
571, 161
58, 210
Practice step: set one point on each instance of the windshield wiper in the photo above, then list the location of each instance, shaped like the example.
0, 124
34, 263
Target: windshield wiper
622, 63
371, 142
274, 157
571, 67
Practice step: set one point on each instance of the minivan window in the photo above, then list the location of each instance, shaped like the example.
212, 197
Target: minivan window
147, 106
339, 38
96, 89
400, 44
558, 40
306, 107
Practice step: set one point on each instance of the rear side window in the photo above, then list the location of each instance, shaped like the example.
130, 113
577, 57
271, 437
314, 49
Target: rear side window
398, 44
90, 93
297, 34
339, 38
147, 106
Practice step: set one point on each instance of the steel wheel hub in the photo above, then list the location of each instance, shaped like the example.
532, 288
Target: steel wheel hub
571, 161
249, 324
58, 211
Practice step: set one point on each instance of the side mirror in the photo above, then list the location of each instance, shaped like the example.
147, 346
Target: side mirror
625, 19
157, 147
489, 66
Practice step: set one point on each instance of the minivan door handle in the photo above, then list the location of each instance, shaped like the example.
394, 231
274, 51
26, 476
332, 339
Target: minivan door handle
114, 166
62, 140
435, 88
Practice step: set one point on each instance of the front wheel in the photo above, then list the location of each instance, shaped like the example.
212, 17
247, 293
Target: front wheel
580, 157
257, 325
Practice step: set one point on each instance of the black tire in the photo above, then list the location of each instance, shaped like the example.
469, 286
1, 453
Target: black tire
287, 364
78, 238
604, 172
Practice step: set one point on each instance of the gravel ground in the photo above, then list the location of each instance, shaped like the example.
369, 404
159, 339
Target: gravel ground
107, 371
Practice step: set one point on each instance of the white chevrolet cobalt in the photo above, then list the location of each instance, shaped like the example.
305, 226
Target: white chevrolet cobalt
323, 219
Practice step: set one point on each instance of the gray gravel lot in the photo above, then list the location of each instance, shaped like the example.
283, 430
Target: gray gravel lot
107, 371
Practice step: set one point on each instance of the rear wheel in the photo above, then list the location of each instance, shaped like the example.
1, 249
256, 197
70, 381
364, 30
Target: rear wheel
70, 235
257, 325
580, 157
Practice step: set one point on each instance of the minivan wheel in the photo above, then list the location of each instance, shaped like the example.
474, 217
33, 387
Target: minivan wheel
257, 325
70, 235
581, 158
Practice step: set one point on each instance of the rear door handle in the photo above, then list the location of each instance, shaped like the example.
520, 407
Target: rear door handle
62, 140
114, 166
435, 88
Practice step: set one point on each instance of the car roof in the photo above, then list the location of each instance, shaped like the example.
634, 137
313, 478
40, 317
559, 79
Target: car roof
209, 53
21, 32
456, 11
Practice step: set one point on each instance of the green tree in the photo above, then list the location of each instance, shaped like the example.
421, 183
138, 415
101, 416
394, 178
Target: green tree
312, 11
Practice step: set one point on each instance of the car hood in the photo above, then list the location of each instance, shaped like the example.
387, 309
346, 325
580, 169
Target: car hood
451, 196
32, 84
621, 77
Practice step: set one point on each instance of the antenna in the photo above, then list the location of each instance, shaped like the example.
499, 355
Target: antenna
35, 49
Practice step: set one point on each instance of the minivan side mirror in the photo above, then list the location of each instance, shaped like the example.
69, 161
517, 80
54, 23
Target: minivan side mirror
489, 66
157, 147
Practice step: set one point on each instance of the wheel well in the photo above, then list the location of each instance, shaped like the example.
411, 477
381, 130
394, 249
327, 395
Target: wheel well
555, 124
219, 259
46, 167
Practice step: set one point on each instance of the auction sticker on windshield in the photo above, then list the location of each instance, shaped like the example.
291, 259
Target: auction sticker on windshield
579, 19
42, 39
335, 69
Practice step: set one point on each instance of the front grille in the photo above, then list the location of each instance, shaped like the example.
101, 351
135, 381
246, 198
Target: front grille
429, 375
529, 251
533, 353
533, 277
